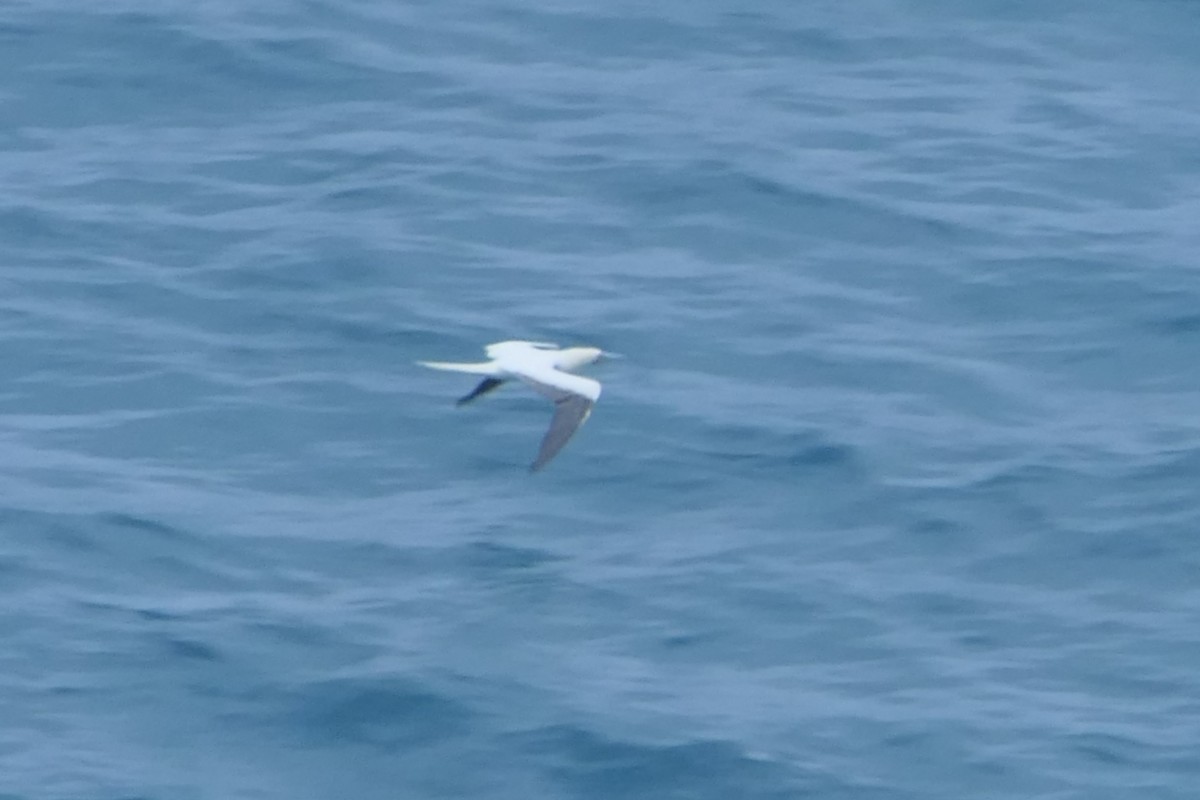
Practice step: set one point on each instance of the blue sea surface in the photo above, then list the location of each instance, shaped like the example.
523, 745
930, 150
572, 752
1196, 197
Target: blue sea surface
895, 495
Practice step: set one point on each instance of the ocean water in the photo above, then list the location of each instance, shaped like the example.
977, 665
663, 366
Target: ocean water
895, 496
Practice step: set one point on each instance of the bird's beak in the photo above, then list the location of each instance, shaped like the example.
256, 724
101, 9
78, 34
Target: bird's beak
607, 354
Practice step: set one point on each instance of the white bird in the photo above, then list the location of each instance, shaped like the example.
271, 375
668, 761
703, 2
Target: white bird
547, 370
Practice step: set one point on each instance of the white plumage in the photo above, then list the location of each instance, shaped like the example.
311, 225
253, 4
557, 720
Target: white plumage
546, 369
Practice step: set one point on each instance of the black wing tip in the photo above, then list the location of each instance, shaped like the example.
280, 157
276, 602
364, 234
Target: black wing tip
486, 385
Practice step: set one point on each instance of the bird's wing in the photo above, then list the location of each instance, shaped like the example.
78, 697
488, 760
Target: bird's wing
569, 413
485, 386
485, 368
499, 349
573, 397
556, 384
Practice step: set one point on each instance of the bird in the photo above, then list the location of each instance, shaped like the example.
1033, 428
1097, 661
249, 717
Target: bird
548, 370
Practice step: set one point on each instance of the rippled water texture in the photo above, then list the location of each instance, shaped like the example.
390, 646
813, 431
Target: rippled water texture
894, 496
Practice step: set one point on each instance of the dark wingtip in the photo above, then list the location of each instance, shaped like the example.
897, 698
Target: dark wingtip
486, 385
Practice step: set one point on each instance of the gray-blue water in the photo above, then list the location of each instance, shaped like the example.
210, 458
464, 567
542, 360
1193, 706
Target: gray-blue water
896, 495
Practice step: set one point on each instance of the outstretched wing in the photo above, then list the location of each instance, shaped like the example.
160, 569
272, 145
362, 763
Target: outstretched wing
556, 384
573, 397
569, 413
484, 368
498, 349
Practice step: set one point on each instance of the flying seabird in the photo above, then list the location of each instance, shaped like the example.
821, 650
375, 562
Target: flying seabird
547, 370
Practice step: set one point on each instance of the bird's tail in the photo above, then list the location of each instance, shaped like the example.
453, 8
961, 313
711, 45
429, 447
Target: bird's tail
483, 368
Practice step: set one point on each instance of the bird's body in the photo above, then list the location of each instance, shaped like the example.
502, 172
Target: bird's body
547, 370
